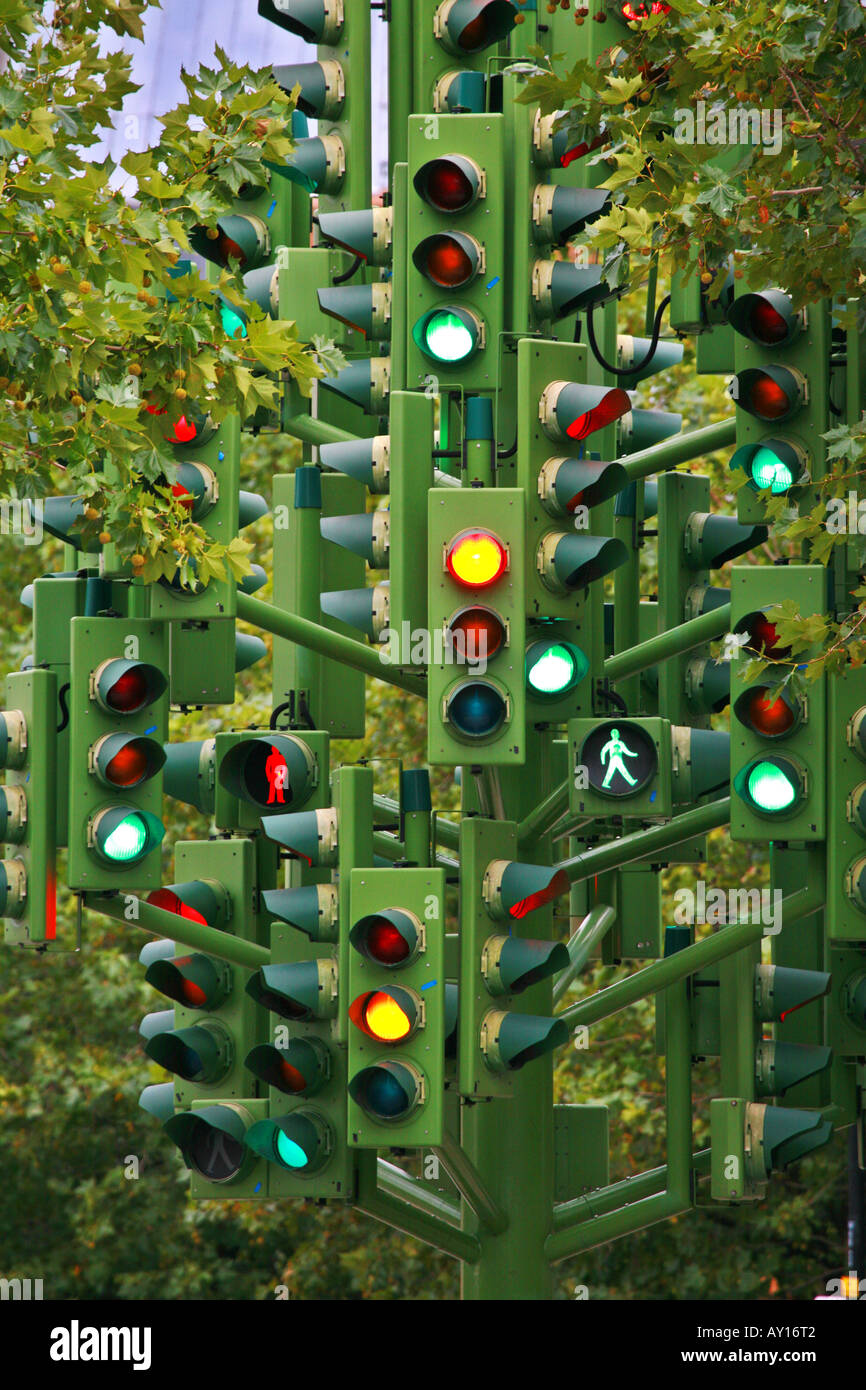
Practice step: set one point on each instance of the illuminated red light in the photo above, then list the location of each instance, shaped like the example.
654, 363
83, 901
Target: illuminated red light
386, 944
478, 632
448, 264
128, 766
170, 902
292, 1078
185, 431
610, 409
128, 693
763, 637
448, 187
476, 559
642, 11
767, 324
770, 717
183, 495
226, 248
768, 399
555, 888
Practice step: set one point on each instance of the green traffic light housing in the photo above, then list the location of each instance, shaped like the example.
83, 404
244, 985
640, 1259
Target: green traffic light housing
322, 86
390, 937
299, 992
567, 562
510, 1040
317, 163
270, 771
368, 460
389, 1091
770, 393
125, 760
202, 1054
773, 786
469, 26
449, 334
312, 909
781, 990
553, 668
781, 1065
13, 887
450, 259
512, 890
630, 350
450, 183
126, 687
767, 319
367, 233
363, 533
124, 835
476, 709
710, 541
366, 308
301, 1142
559, 213
772, 466
211, 1140
561, 288
640, 429
510, 964
572, 410
236, 237
195, 981
300, 1068
461, 92
366, 383
197, 488
564, 484
366, 609
314, 21
777, 1137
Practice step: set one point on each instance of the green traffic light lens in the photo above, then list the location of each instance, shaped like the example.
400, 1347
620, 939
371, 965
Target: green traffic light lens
233, 323
769, 471
290, 1153
127, 841
770, 787
447, 338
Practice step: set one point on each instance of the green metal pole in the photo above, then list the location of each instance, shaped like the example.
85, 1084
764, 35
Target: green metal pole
677, 1196
332, 644
683, 638
682, 448
136, 913
317, 431
416, 815
642, 843
543, 817
619, 1194
595, 925
400, 70
663, 973
395, 1183
375, 1202
466, 1177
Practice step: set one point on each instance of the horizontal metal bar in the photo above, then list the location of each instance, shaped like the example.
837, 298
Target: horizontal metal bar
683, 638
682, 448
197, 936
332, 644
642, 843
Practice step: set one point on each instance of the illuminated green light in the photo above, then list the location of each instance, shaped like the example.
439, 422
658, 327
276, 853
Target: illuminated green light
233, 323
770, 788
553, 672
127, 840
769, 471
447, 337
290, 1153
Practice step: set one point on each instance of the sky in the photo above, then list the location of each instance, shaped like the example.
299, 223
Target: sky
183, 32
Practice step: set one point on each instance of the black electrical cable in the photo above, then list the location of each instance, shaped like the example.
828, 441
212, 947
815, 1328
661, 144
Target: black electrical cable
347, 274
636, 366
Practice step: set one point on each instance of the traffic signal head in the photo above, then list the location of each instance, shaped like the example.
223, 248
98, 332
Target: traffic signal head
512, 890
449, 259
559, 213
564, 484
510, 1040
300, 1068
450, 183
314, 21
313, 909
768, 319
211, 1140
568, 410
366, 233
270, 772
554, 668
390, 938
235, 237
298, 991
301, 1141
466, 27
772, 785
322, 87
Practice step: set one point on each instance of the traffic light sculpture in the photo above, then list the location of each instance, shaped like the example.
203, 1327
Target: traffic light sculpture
118, 709
203, 1040
396, 1007
476, 604
781, 391
777, 745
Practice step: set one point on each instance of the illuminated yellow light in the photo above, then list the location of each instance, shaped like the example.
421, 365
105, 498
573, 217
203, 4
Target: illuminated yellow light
386, 1019
476, 558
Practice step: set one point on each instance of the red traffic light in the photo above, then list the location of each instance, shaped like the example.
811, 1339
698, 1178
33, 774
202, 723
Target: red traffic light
476, 558
634, 13
769, 393
392, 937
126, 687
449, 259
477, 633
770, 717
450, 183
762, 637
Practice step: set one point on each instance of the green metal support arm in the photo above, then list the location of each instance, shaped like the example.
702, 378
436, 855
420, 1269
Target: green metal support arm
682, 448
197, 936
382, 1196
317, 431
543, 817
595, 925
664, 973
333, 644
621, 1194
465, 1175
693, 633
643, 843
